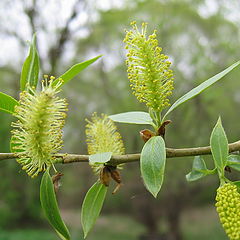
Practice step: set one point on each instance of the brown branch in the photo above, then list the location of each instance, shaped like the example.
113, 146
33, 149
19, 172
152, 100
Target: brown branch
31, 13
65, 158
56, 51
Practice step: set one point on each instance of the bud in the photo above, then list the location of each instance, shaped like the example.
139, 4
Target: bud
146, 134
148, 69
228, 208
37, 134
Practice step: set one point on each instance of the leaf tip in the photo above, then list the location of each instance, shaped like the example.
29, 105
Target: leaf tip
34, 37
219, 121
187, 176
85, 233
154, 194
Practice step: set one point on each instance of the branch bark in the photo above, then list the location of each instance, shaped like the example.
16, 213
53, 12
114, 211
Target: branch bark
66, 158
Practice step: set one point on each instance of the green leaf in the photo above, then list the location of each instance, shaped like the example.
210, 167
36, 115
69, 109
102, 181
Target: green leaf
203, 86
152, 164
13, 146
234, 162
100, 158
50, 206
75, 70
30, 69
92, 205
199, 170
219, 147
7, 103
132, 117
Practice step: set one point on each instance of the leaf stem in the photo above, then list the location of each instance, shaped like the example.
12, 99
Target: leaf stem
156, 117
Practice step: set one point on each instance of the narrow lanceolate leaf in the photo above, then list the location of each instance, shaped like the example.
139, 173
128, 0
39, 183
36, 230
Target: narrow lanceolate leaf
199, 170
234, 162
92, 205
195, 91
100, 158
75, 70
50, 206
152, 163
132, 117
30, 69
219, 146
7, 103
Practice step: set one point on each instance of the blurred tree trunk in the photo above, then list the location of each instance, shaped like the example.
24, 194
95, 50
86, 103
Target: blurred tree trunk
173, 215
162, 218
148, 211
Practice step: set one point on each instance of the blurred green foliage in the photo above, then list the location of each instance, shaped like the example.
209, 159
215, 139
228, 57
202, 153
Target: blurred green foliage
120, 226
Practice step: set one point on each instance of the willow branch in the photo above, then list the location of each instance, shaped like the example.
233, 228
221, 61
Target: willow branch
66, 158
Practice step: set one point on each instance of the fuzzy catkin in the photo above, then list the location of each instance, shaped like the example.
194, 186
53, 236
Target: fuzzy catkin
37, 133
228, 208
102, 136
148, 69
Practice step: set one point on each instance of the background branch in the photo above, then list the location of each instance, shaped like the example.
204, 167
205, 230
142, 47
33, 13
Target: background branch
65, 158
57, 50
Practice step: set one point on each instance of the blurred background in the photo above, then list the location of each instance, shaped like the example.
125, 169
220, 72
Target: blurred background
200, 37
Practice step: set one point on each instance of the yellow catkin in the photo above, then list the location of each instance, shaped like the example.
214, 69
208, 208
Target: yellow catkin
148, 69
37, 134
102, 136
228, 208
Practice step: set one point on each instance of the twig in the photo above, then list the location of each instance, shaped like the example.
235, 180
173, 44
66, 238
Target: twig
66, 158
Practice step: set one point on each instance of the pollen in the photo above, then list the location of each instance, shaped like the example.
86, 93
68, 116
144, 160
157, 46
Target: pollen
148, 69
37, 134
228, 208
